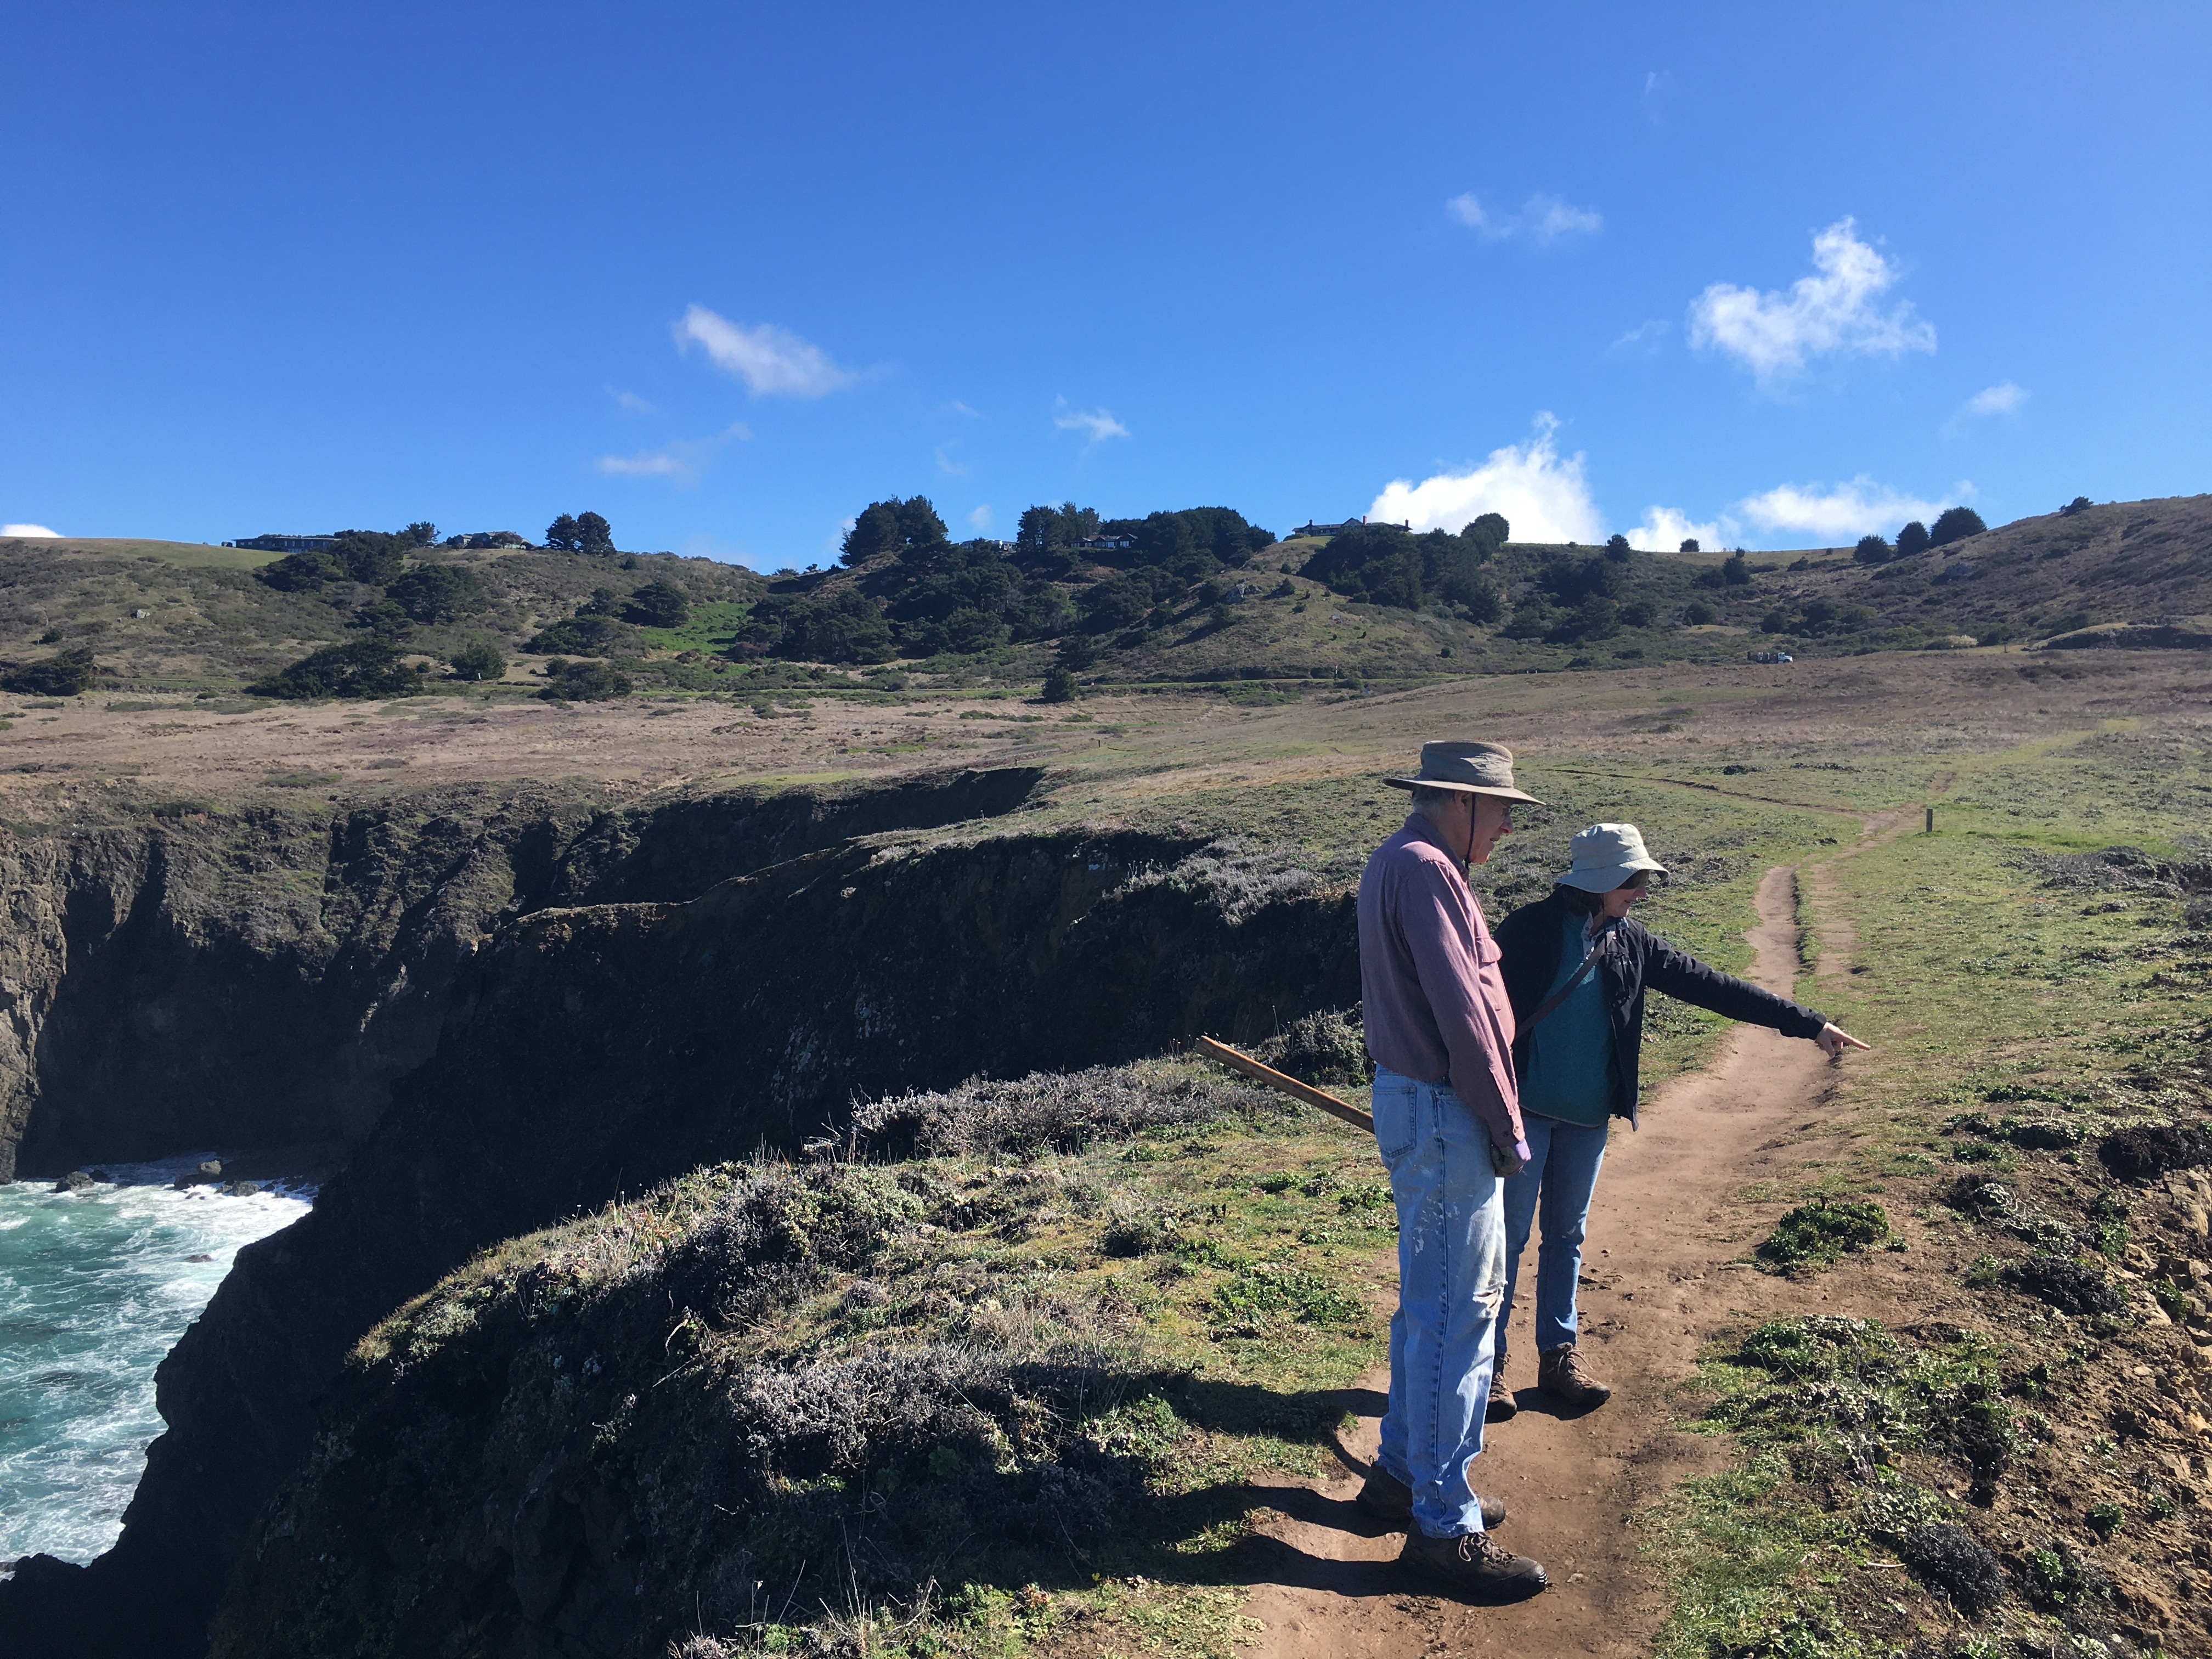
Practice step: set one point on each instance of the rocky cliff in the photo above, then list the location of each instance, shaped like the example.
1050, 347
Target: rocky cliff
185, 978
593, 1051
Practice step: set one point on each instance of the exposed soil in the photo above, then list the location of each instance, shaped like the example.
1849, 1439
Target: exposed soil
1662, 1277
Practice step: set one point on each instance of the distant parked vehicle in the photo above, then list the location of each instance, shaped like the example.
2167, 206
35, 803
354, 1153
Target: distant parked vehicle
1771, 656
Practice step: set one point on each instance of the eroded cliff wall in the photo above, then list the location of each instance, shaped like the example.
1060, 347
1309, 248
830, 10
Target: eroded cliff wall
182, 980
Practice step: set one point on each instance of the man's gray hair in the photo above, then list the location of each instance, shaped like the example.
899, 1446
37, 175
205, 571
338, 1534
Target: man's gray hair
1426, 795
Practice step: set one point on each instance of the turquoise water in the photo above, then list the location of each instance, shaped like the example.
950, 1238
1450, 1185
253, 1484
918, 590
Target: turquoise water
95, 1287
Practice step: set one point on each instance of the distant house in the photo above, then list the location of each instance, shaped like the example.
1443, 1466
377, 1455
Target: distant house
1109, 543
273, 544
1310, 528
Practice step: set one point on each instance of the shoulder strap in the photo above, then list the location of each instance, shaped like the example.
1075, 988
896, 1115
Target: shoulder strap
1589, 961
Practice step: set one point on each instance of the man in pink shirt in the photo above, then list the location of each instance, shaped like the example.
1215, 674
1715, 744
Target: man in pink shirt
1447, 1122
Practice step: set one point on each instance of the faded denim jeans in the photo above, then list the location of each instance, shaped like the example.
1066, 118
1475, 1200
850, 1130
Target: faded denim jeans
1562, 1174
1451, 1280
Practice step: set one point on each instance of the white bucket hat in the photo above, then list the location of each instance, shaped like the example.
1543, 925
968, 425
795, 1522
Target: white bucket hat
1606, 854
1472, 768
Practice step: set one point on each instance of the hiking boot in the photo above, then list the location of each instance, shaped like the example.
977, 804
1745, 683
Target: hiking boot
1387, 1498
1561, 1375
1503, 1406
1474, 1567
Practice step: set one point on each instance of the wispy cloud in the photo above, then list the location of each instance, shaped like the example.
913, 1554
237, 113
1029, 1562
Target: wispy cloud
682, 462
1843, 511
772, 361
1542, 219
30, 532
947, 464
2003, 399
981, 519
1837, 311
1646, 336
956, 407
628, 402
1097, 425
1665, 529
1544, 496
1658, 91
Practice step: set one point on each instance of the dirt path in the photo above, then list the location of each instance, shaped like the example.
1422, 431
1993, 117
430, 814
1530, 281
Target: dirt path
1657, 1285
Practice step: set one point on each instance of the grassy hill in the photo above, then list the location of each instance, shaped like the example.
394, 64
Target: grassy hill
185, 617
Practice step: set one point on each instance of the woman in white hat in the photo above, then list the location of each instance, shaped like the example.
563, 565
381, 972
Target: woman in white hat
1576, 966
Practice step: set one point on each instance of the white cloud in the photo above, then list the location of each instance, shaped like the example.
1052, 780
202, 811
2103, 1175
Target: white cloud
772, 361
980, 518
1097, 424
682, 463
1996, 400
1773, 334
30, 532
946, 463
1843, 512
1545, 498
956, 407
1542, 219
1658, 87
1665, 529
628, 402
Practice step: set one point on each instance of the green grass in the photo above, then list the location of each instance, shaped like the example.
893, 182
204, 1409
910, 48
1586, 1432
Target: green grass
710, 628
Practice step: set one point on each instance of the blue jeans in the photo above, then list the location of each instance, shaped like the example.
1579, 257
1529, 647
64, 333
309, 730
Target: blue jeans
1451, 1276
1562, 1174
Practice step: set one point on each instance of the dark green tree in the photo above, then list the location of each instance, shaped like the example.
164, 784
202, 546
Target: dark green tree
1735, 570
302, 572
1697, 614
2079, 504
594, 534
583, 682
1691, 545
873, 534
1059, 685
66, 674
1954, 524
1618, 549
440, 593
562, 534
919, 524
659, 603
1871, 550
422, 533
382, 618
369, 667
479, 659
1913, 538
1491, 530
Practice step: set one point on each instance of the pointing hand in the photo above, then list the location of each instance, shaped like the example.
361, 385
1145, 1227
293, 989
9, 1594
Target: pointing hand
1834, 1039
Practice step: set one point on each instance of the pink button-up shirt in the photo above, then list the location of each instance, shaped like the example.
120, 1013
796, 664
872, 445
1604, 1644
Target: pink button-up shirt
1431, 993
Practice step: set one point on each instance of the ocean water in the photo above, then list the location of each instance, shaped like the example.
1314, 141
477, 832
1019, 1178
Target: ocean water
95, 1287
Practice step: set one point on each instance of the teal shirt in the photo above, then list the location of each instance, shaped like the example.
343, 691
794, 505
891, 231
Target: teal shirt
1570, 1075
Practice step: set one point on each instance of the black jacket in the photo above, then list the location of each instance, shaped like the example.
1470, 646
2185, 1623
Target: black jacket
1633, 958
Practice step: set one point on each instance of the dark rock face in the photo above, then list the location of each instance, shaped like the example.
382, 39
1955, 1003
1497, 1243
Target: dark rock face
593, 1051
263, 978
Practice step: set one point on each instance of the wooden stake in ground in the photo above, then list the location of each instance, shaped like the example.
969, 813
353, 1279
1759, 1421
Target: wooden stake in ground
1238, 1061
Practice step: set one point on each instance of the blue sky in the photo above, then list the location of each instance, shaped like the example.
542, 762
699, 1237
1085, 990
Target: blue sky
1766, 274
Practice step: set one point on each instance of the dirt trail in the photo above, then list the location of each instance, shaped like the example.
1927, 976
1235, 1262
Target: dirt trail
1657, 1287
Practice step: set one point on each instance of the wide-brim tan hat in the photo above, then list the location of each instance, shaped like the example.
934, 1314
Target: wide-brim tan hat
1606, 854
1474, 768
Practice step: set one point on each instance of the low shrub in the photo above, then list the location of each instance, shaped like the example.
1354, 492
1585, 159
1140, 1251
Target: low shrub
1816, 1234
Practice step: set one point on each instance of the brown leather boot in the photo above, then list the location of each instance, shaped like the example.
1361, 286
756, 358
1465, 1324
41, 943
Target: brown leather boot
1390, 1500
1503, 1406
1562, 1376
1474, 1566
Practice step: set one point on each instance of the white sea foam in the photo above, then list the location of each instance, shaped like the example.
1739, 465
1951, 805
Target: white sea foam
95, 1287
